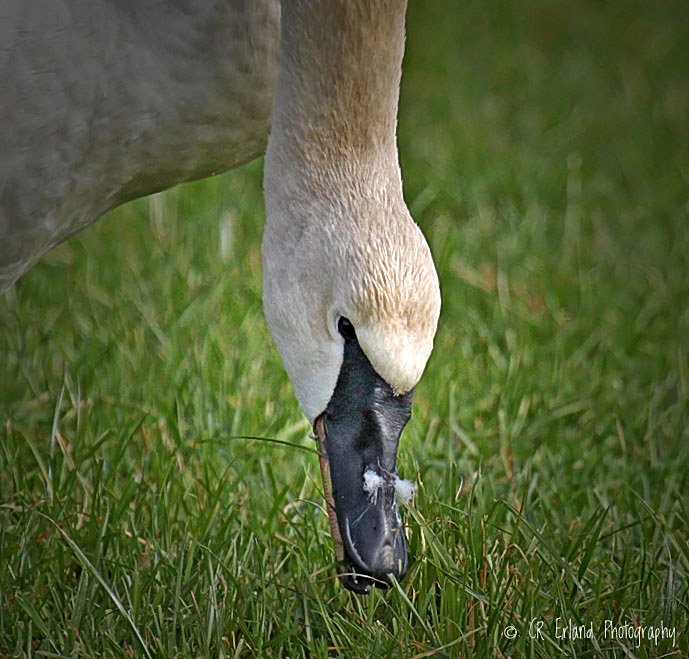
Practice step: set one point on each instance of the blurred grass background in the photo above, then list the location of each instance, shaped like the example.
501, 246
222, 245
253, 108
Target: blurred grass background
544, 149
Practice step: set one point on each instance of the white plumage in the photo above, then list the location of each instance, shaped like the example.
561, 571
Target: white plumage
404, 489
104, 101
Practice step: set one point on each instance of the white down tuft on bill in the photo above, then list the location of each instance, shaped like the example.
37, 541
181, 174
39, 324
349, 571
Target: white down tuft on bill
373, 481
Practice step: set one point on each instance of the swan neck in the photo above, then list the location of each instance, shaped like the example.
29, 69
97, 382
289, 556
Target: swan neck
338, 88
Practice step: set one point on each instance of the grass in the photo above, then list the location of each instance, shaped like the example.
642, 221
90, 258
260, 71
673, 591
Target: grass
544, 147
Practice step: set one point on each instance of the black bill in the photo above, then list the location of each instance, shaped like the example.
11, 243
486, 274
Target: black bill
359, 432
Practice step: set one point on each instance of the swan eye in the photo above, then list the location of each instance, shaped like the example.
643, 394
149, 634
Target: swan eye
346, 329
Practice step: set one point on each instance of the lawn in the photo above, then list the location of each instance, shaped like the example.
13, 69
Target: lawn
545, 151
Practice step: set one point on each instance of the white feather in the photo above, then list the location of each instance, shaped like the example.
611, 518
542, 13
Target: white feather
405, 490
372, 483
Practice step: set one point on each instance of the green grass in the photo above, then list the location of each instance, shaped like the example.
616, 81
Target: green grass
545, 156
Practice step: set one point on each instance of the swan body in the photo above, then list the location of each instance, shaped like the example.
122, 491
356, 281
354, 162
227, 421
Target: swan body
104, 101
114, 99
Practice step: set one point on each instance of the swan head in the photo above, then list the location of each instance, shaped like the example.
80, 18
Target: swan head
352, 300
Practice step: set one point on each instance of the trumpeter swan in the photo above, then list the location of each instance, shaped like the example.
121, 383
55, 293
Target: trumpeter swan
108, 100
